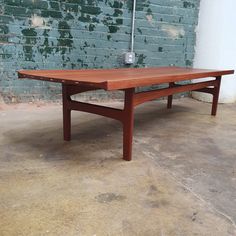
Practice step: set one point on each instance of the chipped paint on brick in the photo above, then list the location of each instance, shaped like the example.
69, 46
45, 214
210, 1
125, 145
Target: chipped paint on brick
149, 15
37, 21
173, 31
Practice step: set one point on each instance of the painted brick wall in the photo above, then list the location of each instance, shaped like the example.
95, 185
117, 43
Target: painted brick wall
45, 34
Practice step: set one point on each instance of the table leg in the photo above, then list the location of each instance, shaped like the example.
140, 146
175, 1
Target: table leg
170, 97
66, 114
216, 94
169, 103
128, 124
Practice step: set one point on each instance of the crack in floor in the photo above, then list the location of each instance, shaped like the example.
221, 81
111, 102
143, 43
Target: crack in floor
151, 154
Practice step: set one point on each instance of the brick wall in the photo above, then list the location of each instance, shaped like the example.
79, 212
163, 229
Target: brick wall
45, 34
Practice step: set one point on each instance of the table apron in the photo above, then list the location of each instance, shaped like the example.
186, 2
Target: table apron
143, 97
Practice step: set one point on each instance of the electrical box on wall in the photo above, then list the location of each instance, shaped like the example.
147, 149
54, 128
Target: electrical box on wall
129, 58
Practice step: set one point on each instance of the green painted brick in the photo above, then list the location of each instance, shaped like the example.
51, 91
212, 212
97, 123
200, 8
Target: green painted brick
34, 4
54, 5
6, 19
70, 7
92, 10
13, 2
15, 10
51, 13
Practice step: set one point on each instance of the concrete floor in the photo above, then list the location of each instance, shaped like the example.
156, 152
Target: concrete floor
181, 182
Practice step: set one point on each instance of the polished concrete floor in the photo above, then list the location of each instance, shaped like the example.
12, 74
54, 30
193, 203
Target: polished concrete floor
181, 182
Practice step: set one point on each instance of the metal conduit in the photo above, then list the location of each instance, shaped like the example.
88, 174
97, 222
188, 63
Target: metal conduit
133, 26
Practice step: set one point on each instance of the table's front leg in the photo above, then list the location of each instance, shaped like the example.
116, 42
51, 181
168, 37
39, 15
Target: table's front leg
128, 124
126, 116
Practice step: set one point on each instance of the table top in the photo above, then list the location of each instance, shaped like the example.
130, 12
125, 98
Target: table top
122, 78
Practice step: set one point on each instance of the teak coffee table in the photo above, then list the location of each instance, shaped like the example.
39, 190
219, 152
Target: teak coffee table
79, 81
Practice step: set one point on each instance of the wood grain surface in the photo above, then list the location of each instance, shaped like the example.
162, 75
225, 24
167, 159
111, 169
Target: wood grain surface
114, 79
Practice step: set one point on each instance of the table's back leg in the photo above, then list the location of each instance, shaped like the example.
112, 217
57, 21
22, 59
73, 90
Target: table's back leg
216, 94
170, 97
169, 102
128, 124
66, 114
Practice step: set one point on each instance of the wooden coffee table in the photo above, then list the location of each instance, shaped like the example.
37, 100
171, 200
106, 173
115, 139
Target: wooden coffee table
79, 81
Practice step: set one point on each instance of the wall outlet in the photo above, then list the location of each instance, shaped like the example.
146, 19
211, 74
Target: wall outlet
129, 58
